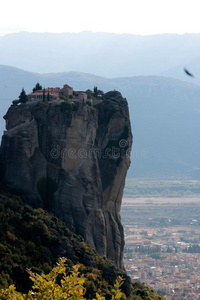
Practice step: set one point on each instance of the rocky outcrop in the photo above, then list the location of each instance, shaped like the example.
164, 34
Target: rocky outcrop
72, 159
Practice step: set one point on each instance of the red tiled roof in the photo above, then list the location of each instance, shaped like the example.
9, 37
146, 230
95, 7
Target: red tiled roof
36, 94
52, 91
40, 92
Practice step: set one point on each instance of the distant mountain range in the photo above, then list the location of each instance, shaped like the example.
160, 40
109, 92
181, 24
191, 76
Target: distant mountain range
105, 54
165, 116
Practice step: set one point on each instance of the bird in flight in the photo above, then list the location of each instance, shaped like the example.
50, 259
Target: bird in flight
188, 73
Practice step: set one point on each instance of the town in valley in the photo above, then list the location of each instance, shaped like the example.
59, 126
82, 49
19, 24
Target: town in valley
162, 240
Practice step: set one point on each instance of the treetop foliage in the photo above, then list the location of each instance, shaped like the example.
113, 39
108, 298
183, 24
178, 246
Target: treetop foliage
50, 286
23, 97
37, 87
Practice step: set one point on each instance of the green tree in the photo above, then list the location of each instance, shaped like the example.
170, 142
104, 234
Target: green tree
58, 286
89, 93
37, 87
95, 91
48, 97
15, 102
23, 97
43, 95
98, 93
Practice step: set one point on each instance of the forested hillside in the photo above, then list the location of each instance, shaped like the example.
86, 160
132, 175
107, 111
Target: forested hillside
32, 239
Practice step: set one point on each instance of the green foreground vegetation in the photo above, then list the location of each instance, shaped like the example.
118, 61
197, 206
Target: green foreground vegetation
161, 188
50, 286
57, 285
32, 239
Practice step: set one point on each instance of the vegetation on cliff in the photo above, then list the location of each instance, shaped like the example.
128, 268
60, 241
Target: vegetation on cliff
50, 286
33, 239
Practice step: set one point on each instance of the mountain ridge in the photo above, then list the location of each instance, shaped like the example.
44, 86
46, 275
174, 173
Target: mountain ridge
165, 104
118, 54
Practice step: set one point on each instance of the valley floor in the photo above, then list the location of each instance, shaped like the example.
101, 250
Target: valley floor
162, 243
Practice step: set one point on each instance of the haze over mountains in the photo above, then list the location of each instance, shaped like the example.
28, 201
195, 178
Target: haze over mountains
104, 54
164, 112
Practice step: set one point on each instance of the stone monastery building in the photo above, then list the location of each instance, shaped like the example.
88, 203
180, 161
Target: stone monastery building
54, 93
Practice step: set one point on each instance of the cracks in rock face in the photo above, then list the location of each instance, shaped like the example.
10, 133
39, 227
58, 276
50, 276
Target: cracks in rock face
89, 191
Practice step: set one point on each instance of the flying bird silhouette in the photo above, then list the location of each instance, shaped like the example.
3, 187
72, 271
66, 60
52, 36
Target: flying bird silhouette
188, 73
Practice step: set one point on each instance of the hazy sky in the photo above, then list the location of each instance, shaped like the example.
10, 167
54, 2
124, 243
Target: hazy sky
125, 16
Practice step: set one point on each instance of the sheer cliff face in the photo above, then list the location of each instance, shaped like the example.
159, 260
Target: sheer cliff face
72, 160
